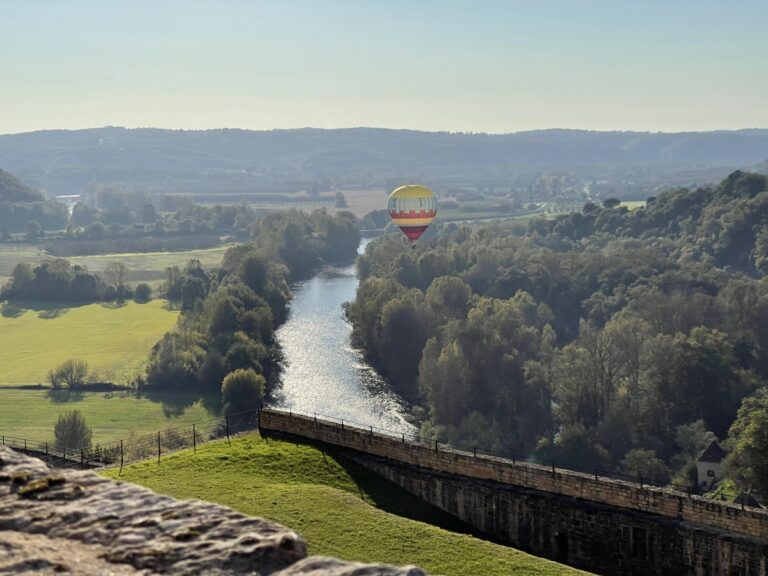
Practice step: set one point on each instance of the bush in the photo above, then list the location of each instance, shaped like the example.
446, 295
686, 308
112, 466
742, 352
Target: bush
243, 390
72, 432
71, 373
142, 293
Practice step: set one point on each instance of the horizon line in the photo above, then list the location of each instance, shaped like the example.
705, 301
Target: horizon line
382, 128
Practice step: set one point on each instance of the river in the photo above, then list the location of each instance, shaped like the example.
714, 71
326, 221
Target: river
324, 374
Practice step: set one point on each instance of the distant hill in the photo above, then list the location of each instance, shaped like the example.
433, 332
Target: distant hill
63, 161
14, 190
20, 204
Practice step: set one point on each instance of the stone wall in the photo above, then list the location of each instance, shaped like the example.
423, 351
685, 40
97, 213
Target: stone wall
603, 525
55, 521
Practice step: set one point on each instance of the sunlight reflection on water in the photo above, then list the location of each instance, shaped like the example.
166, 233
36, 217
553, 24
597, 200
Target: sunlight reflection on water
323, 373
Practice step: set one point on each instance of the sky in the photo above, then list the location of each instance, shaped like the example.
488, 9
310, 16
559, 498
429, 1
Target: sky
459, 66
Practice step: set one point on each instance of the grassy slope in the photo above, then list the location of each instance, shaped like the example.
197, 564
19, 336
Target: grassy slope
340, 508
114, 341
31, 414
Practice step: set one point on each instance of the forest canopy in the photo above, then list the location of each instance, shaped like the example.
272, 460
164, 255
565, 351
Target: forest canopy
609, 338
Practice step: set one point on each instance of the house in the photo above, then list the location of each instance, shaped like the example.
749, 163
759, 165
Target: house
709, 465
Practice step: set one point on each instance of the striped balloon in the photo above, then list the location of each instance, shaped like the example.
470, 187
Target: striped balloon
412, 208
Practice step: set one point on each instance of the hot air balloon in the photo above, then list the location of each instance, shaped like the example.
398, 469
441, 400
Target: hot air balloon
412, 208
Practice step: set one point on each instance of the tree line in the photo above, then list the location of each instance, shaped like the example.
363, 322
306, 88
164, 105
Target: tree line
224, 341
627, 345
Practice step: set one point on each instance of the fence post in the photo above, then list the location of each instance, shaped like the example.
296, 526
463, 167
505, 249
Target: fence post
228, 440
553, 467
121, 456
158, 448
342, 423
46, 451
371, 430
315, 415
194, 439
82, 456
403, 437
641, 481
474, 451
65, 454
25, 445
435, 446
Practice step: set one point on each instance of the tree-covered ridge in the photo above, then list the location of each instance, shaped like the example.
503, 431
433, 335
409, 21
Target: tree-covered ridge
21, 204
14, 190
599, 350
275, 160
229, 316
724, 225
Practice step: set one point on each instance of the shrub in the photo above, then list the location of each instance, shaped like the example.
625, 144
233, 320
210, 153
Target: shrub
142, 293
71, 431
243, 390
71, 373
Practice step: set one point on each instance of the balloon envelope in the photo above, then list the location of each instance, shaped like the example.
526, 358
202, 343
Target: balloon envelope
412, 208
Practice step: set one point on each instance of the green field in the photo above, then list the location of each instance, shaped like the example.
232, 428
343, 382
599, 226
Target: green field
31, 414
341, 509
142, 267
114, 340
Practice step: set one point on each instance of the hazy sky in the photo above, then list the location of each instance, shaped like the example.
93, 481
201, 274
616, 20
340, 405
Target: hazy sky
432, 65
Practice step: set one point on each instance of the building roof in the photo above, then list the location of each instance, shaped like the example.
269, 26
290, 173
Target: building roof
712, 453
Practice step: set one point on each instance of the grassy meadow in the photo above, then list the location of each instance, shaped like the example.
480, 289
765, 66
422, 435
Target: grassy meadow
31, 414
114, 339
340, 508
142, 267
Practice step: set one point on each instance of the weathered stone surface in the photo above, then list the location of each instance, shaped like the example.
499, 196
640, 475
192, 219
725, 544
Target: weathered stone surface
322, 566
76, 522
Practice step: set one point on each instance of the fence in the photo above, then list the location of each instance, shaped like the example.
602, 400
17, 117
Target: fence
138, 447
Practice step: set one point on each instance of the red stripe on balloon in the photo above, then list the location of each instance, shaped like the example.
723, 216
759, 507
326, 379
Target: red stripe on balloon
413, 232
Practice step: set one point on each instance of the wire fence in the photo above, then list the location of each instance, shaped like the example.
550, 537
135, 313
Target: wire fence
137, 447
415, 438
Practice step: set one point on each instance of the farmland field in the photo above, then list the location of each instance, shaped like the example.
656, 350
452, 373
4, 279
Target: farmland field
142, 267
31, 414
114, 340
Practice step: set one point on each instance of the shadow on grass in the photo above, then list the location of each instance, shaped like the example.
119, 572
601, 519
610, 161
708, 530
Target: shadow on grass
52, 313
45, 309
176, 403
63, 396
388, 496
114, 305
10, 310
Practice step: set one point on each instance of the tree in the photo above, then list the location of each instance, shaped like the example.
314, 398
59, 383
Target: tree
340, 202
143, 293
748, 436
645, 464
611, 202
72, 432
34, 231
254, 270
242, 390
116, 274
71, 373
